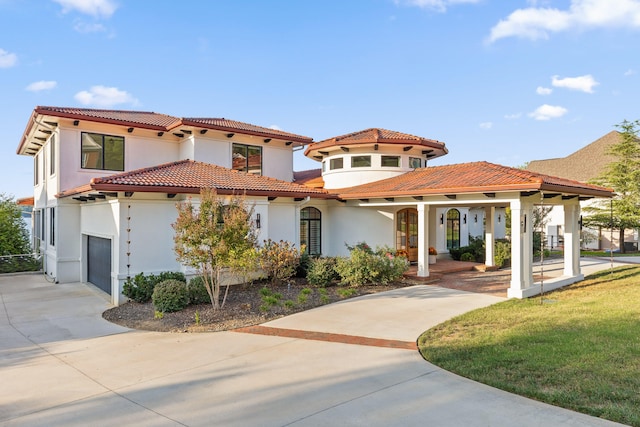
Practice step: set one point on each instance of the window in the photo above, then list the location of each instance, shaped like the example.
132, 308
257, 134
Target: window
360, 161
453, 229
52, 155
36, 169
415, 162
324, 166
103, 152
247, 158
52, 226
37, 224
390, 161
336, 163
310, 227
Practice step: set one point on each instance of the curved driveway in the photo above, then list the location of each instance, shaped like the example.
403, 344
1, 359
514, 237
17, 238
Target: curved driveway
62, 364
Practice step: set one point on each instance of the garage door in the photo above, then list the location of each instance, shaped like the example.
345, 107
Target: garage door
99, 262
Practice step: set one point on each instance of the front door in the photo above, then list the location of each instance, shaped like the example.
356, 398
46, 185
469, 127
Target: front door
407, 233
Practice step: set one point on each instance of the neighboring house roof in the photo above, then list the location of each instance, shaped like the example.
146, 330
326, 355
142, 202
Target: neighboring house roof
188, 176
25, 201
379, 136
583, 165
144, 120
476, 177
310, 178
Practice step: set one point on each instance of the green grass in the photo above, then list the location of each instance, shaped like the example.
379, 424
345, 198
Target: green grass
580, 349
607, 254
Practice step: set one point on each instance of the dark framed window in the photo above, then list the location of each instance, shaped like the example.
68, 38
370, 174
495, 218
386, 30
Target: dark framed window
52, 226
336, 163
415, 162
310, 230
104, 152
360, 161
247, 158
52, 155
36, 169
453, 229
390, 161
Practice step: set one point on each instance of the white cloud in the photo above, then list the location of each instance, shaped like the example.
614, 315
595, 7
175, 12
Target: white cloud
547, 112
543, 90
7, 59
41, 85
629, 72
95, 8
275, 127
102, 96
486, 125
83, 27
582, 83
513, 116
437, 5
538, 22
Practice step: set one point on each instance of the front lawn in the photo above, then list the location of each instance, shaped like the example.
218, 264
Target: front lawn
579, 349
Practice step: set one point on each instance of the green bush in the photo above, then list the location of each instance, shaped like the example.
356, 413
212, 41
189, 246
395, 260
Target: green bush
170, 295
502, 252
19, 263
279, 259
303, 266
322, 271
467, 257
140, 288
364, 266
197, 291
475, 248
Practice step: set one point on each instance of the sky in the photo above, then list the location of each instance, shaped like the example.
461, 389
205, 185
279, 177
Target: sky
500, 81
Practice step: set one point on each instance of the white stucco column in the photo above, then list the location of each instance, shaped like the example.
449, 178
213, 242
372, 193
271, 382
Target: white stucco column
572, 238
521, 249
423, 240
489, 236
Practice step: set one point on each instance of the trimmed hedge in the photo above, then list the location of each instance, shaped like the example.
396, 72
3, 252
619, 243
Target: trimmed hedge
140, 288
170, 295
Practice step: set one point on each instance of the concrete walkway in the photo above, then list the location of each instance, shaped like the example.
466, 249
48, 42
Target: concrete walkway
61, 364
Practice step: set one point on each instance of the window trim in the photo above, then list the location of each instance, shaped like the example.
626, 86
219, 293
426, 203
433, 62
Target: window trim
396, 158
102, 152
316, 220
363, 158
333, 163
246, 167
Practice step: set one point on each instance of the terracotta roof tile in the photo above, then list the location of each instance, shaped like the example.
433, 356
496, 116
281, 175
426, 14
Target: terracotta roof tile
473, 177
188, 176
146, 119
232, 125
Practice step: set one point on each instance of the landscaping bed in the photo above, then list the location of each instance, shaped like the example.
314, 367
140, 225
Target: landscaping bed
246, 305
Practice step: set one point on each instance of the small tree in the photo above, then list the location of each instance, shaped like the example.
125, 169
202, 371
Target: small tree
217, 235
14, 237
623, 175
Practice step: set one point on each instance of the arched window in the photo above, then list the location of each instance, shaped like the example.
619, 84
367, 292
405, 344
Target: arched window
453, 229
310, 230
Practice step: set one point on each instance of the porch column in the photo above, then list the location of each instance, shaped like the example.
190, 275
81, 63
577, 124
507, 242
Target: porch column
521, 249
423, 240
489, 236
572, 238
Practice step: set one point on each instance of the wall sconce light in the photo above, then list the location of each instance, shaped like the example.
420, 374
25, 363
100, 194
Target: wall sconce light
441, 218
257, 220
499, 217
524, 224
475, 218
464, 219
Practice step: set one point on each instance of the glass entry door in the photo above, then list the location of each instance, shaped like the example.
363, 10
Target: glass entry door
407, 233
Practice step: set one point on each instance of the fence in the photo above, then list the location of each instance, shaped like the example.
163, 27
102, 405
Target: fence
20, 263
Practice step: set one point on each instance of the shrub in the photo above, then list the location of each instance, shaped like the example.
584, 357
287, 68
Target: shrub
502, 252
322, 271
279, 259
140, 288
364, 267
467, 257
197, 291
170, 295
303, 265
475, 248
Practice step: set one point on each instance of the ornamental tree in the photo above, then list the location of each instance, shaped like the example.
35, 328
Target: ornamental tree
217, 236
623, 176
14, 237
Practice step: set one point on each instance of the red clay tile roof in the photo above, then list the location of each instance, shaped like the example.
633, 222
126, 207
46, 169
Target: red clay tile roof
376, 136
476, 177
311, 178
154, 121
188, 176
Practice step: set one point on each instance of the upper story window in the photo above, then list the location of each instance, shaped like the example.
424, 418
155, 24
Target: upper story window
336, 163
105, 152
360, 161
247, 158
52, 155
36, 169
415, 162
390, 161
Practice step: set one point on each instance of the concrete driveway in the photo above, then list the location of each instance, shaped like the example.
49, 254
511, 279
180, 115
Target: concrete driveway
61, 364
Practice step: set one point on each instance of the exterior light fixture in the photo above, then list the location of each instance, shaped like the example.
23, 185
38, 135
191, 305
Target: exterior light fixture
475, 218
257, 220
499, 217
441, 218
464, 219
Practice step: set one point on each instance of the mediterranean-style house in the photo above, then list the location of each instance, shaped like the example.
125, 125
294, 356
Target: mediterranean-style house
106, 184
583, 165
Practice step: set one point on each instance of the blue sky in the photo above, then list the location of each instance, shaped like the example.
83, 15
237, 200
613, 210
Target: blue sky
501, 81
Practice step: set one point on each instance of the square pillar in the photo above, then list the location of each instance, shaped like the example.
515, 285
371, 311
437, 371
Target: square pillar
521, 248
423, 240
489, 236
572, 239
